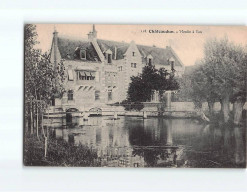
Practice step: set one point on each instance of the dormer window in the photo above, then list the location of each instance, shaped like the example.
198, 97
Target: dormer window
150, 60
171, 62
83, 54
172, 65
108, 56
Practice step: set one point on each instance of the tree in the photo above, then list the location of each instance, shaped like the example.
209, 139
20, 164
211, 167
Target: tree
225, 61
43, 81
202, 88
238, 97
31, 58
221, 77
141, 86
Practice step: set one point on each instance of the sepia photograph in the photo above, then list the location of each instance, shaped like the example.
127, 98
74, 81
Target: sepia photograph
134, 96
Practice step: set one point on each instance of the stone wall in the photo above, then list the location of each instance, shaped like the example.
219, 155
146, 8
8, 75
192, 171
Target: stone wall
183, 106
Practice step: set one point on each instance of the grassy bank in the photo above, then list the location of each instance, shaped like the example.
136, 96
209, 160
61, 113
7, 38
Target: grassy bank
59, 153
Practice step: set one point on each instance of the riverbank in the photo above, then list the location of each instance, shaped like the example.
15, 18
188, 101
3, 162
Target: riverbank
59, 153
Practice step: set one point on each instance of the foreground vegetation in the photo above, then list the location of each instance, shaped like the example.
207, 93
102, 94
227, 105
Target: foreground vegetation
59, 153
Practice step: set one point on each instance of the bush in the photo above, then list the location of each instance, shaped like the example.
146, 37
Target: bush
59, 153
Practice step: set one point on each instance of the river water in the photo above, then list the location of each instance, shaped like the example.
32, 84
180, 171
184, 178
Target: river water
158, 142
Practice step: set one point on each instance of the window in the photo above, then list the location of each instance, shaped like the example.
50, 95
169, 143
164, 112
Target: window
70, 75
83, 75
172, 65
120, 68
83, 54
97, 95
133, 65
149, 60
133, 53
70, 95
92, 75
109, 59
53, 101
108, 56
109, 95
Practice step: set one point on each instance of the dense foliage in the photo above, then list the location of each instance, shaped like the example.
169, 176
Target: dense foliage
43, 82
221, 76
141, 86
42, 79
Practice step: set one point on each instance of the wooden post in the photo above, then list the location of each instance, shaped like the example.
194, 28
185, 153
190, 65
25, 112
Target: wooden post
37, 121
31, 116
45, 136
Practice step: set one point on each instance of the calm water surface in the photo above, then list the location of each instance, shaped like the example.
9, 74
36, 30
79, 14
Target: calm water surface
158, 142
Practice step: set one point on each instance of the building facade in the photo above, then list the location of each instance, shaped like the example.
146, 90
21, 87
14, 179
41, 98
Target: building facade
98, 71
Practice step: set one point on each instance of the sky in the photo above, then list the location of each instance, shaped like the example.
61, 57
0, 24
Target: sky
187, 41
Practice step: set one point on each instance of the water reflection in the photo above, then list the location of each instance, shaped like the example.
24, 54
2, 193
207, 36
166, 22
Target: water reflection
157, 142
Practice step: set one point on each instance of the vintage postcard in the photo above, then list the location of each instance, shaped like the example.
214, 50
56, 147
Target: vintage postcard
135, 96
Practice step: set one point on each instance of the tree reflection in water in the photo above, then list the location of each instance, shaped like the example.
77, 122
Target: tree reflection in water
159, 142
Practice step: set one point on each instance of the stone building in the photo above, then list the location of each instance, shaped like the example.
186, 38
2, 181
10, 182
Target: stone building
98, 71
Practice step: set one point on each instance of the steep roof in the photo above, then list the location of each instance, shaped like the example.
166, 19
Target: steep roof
121, 47
160, 55
67, 46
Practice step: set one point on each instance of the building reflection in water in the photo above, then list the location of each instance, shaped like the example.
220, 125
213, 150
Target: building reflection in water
108, 138
157, 142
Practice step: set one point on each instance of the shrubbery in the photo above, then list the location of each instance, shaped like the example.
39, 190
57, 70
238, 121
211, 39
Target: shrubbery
60, 153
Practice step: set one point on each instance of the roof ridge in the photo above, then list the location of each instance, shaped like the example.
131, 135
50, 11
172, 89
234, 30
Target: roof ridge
72, 38
129, 44
151, 46
114, 41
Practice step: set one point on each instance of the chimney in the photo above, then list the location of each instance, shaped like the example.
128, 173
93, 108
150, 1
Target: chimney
115, 57
55, 33
92, 34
